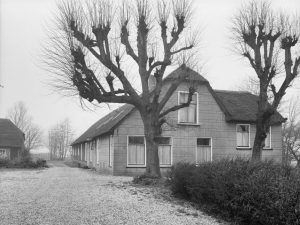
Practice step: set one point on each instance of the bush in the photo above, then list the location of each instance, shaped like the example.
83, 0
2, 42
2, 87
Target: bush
23, 162
146, 179
252, 193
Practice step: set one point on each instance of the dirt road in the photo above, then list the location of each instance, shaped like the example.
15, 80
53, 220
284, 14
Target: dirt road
64, 195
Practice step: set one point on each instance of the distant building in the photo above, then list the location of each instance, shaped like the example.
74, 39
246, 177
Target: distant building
11, 140
217, 124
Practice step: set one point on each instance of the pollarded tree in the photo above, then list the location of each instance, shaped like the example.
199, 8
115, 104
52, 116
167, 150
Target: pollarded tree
96, 42
268, 41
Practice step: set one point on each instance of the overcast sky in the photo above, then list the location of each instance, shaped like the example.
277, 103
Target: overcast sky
22, 34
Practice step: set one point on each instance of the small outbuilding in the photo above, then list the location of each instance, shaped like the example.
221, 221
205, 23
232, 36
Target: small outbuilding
11, 140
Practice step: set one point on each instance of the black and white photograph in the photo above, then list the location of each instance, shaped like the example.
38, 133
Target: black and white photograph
159, 112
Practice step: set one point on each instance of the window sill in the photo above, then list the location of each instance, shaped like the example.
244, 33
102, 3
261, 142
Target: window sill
135, 166
165, 166
243, 148
267, 149
189, 124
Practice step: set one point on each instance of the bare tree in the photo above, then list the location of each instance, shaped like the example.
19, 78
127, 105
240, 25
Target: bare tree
291, 132
19, 115
60, 137
90, 52
250, 84
268, 41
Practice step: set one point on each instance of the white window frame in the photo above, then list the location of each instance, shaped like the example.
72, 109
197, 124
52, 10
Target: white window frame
111, 147
243, 147
140, 165
97, 151
7, 152
197, 109
270, 133
171, 143
85, 152
211, 147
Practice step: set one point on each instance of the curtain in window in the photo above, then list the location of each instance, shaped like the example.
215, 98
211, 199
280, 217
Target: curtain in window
4, 153
243, 136
164, 154
188, 114
136, 154
203, 154
268, 140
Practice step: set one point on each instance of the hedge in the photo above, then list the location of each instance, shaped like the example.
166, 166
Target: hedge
250, 193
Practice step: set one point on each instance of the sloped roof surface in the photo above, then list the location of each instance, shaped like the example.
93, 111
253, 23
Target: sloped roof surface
189, 75
10, 135
242, 106
237, 107
105, 124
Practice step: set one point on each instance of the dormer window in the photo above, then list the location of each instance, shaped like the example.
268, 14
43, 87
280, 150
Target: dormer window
188, 115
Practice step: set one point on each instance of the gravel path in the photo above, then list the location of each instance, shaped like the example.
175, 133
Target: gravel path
64, 195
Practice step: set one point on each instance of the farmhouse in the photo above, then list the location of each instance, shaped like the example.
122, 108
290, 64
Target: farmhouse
217, 124
11, 140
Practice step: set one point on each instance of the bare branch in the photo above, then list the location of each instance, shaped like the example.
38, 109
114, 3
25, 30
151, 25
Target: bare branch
183, 105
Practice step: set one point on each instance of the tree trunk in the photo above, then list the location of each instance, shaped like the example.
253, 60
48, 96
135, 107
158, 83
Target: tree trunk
259, 140
298, 163
261, 123
151, 130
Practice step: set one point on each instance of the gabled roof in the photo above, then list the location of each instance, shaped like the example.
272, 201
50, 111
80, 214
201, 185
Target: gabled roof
242, 106
237, 107
10, 134
189, 75
105, 124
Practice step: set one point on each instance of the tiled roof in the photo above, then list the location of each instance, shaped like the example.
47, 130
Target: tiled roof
237, 107
242, 106
10, 135
105, 124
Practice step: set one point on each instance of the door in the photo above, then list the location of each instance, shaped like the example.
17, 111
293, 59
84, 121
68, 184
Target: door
203, 150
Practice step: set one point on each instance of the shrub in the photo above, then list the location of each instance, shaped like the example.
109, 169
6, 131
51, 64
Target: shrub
23, 162
146, 179
250, 192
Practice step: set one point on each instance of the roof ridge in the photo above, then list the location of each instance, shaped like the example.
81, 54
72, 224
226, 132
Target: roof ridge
233, 91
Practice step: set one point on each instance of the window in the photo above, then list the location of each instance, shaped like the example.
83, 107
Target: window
203, 151
98, 151
243, 135
136, 151
268, 139
164, 151
188, 115
4, 153
110, 152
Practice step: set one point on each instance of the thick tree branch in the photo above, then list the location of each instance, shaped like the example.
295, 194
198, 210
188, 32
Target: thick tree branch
182, 49
183, 105
126, 43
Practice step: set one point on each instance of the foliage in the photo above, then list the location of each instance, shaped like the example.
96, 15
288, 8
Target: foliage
146, 179
23, 162
250, 192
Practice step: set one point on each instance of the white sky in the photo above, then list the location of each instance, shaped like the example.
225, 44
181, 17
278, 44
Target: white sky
22, 34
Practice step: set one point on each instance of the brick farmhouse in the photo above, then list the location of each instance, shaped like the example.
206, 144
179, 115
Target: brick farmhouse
11, 140
217, 124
